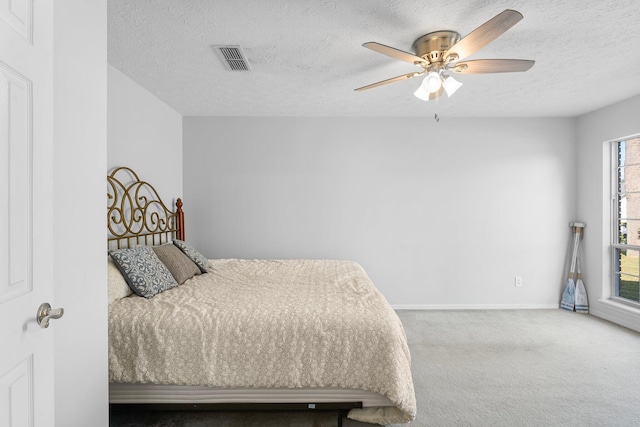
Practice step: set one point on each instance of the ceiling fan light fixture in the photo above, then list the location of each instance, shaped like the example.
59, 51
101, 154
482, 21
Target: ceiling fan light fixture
431, 87
422, 93
451, 85
432, 83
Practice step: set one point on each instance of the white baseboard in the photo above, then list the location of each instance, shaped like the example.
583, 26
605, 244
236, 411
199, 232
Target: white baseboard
473, 306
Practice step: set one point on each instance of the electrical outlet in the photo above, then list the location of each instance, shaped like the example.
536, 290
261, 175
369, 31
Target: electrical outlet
518, 281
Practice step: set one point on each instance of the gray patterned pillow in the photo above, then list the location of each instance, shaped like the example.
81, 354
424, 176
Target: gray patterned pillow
180, 265
200, 260
142, 269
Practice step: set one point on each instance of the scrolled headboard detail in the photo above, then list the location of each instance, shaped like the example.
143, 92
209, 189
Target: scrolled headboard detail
136, 215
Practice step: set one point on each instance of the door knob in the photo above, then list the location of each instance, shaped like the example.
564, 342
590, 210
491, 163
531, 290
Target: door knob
45, 312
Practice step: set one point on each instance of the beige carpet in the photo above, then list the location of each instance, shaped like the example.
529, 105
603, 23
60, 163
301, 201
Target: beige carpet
491, 368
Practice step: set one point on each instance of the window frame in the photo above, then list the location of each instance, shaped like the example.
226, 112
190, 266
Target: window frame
615, 219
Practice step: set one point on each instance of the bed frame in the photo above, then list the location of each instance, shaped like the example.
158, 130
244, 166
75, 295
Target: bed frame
136, 215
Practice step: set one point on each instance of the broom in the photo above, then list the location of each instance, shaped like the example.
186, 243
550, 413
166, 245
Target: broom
569, 293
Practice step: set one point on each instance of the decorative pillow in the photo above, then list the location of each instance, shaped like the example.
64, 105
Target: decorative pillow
144, 272
118, 287
180, 265
195, 256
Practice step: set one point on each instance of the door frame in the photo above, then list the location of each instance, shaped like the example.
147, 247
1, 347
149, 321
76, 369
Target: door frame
80, 165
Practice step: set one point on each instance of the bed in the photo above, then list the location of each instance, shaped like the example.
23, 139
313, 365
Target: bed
245, 334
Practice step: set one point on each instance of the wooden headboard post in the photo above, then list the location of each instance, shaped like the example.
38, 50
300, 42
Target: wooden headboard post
180, 220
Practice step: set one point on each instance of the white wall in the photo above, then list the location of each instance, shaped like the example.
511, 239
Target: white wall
144, 134
595, 130
80, 143
439, 214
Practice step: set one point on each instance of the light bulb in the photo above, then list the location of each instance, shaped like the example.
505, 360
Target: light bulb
432, 82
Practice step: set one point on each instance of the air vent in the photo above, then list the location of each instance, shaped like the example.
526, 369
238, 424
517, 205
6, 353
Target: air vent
232, 57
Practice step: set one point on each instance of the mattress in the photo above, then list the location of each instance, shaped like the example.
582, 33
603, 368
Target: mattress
268, 324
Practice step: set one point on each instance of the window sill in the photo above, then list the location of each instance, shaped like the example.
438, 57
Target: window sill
620, 306
619, 313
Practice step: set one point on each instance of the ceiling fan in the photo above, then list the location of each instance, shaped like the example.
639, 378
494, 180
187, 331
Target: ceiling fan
441, 51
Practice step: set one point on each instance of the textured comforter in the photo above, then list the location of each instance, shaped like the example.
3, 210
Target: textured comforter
268, 323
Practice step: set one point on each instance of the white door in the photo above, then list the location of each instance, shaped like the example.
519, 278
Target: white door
26, 210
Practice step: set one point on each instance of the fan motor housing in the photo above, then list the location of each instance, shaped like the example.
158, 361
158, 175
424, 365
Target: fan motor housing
432, 46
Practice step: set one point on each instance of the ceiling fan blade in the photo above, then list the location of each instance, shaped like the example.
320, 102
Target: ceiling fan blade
394, 53
391, 80
484, 34
485, 66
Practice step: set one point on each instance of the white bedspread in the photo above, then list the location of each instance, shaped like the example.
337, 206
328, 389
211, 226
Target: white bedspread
268, 323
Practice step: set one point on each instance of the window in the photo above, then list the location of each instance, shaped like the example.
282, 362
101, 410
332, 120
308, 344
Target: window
626, 216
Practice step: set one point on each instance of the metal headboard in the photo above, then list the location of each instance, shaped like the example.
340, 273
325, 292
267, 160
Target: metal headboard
136, 215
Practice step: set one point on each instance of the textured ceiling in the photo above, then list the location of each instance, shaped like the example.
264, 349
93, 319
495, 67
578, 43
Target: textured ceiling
306, 56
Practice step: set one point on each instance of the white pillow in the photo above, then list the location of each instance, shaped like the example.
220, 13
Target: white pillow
118, 287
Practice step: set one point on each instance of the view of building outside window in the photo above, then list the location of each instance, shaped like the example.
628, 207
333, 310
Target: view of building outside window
627, 241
